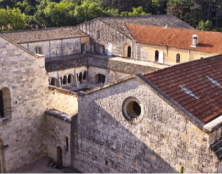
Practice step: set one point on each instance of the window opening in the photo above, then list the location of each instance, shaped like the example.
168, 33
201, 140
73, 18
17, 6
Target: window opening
156, 56
98, 35
67, 143
53, 82
1, 104
178, 58
38, 50
83, 48
100, 78
129, 51
104, 51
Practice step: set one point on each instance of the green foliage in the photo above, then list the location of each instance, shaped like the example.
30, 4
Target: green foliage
201, 14
206, 26
11, 19
181, 169
136, 12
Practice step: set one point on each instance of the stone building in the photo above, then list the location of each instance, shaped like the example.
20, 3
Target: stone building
87, 97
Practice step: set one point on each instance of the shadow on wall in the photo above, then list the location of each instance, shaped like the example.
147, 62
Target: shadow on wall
106, 143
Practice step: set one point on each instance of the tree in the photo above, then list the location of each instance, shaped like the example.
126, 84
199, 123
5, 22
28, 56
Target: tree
136, 12
206, 26
11, 19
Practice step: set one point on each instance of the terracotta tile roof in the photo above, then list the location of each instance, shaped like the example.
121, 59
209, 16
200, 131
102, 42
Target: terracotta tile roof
175, 37
196, 86
43, 34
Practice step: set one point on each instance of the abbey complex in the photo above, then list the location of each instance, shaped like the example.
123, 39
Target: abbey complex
123, 94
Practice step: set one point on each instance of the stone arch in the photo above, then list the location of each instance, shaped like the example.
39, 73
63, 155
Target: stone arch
54, 81
5, 103
100, 79
84, 75
64, 81
70, 78
127, 51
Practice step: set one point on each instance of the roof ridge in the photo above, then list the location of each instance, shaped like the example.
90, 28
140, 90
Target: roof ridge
40, 29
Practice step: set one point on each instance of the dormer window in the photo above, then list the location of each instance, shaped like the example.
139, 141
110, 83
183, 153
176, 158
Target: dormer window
38, 50
98, 35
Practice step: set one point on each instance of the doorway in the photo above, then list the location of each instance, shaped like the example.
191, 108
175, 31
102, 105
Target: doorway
59, 156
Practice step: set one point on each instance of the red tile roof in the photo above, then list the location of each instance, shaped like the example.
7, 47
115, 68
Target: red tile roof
196, 86
180, 38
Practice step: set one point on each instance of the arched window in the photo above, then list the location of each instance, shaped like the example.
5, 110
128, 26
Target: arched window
84, 75
64, 80
156, 56
98, 35
100, 79
129, 51
80, 77
5, 102
38, 50
69, 78
53, 81
178, 58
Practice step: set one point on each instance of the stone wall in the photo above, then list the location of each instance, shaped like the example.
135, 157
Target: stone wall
58, 132
62, 100
162, 141
22, 136
53, 48
113, 41
146, 52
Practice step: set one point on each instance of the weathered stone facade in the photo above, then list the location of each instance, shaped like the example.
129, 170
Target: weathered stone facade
30, 98
162, 142
58, 135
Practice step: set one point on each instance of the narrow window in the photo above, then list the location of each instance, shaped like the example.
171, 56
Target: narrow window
104, 50
98, 35
83, 48
1, 105
156, 56
69, 78
178, 58
129, 51
67, 143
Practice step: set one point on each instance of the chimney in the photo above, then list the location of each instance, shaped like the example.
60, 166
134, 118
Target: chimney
194, 41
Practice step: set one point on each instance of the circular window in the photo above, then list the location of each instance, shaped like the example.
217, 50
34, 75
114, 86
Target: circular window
132, 110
